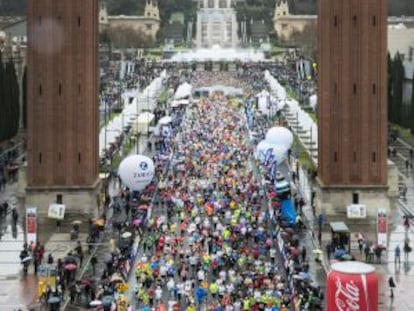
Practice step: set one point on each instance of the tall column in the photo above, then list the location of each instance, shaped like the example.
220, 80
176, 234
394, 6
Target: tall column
198, 31
208, 35
205, 3
234, 39
223, 34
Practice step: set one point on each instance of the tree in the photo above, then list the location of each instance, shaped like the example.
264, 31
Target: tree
397, 88
126, 7
127, 37
9, 101
305, 40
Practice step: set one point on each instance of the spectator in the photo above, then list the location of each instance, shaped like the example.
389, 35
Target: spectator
94, 261
407, 250
397, 255
391, 284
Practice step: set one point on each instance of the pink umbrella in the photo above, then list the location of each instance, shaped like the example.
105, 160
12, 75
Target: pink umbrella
137, 222
70, 267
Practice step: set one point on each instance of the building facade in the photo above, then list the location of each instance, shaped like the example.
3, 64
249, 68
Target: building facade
352, 92
62, 98
216, 24
149, 23
286, 24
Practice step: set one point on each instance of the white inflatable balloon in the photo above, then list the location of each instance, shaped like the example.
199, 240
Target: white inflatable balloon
262, 148
279, 152
136, 171
280, 135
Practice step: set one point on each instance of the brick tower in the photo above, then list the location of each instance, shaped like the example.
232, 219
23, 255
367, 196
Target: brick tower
352, 67
63, 117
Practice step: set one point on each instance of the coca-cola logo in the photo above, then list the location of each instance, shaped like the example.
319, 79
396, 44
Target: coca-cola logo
347, 296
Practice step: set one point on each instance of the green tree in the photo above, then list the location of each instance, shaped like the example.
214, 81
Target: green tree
9, 101
397, 88
126, 7
391, 111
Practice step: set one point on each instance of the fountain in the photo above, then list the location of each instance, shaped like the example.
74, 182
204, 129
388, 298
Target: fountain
216, 24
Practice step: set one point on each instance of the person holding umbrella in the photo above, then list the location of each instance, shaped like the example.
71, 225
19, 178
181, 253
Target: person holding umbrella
25, 260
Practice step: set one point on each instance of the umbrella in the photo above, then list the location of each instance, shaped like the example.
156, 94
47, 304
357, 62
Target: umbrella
347, 257
53, 300
339, 253
100, 222
126, 235
76, 222
26, 259
117, 278
137, 221
107, 300
165, 120
304, 275
70, 267
86, 282
95, 303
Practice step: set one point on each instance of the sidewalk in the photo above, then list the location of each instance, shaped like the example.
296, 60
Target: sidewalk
403, 273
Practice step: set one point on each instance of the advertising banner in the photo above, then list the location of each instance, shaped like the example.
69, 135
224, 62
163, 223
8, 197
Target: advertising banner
382, 227
31, 224
56, 211
352, 286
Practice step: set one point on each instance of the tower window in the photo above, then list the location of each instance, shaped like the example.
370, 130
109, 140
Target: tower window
335, 156
354, 19
60, 89
59, 199
60, 156
40, 157
79, 157
39, 20
79, 88
374, 157
40, 89
355, 156
79, 21
335, 20
355, 198
374, 88
374, 20
355, 88
335, 88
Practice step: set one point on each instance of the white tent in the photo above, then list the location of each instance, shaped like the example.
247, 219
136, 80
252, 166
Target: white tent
143, 122
217, 53
184, 90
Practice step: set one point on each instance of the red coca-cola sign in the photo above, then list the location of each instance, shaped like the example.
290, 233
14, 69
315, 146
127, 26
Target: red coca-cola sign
352, 286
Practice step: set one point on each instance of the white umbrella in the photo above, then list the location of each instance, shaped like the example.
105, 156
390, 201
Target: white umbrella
95, 303
126, 235
165, 120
